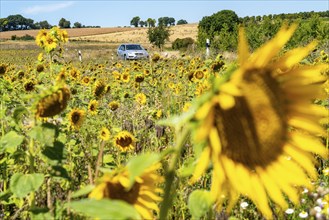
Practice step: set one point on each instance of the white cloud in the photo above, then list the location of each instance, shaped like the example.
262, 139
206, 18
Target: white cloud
47, 8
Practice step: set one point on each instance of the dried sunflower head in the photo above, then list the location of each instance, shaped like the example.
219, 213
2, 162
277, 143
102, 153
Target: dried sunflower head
54, 103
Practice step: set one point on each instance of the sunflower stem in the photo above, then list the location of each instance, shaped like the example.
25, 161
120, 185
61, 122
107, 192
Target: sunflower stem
99, 159
170, 175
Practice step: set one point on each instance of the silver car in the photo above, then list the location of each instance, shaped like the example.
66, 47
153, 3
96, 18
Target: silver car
132, 52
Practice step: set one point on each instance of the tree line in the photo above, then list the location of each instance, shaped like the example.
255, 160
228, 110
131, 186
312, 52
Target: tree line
150, 22
221, 29
18, 22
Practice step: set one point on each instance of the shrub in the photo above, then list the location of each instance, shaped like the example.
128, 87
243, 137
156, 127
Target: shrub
182, 44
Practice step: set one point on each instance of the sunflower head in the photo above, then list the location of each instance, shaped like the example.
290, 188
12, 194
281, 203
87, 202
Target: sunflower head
140, 98
142, 195
40, 68
139, 78
76, 118
54, 103
125, 141
74, 73
104, 134
114, 105
125, 77
99, 89
85, 80
29, 85
92, 107
246, 123
3, 69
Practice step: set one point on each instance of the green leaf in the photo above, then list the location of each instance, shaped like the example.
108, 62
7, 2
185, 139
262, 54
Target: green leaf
83, 191
105, 209
136, 166
187, 168
10, 142
45, 133
108, 158
18, 113
55, 152
23, 184
59, 171
199, 202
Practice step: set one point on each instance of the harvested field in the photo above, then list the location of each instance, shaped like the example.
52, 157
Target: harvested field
73, 32
140, 35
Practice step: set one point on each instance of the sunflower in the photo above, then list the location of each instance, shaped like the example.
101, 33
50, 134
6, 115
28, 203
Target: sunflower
140, 98
139, 78
76, 118
92, 107
3, 68
50, 43
99, 89
85, 80
105, 134
258, 128
61, 76
29, 85
125, 77
54, 103
41, 38
75, 73
125, 141
114, 105
142, 195
40, 68
198, 74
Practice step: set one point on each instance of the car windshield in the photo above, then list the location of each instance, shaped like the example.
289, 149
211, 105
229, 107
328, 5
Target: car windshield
133, 47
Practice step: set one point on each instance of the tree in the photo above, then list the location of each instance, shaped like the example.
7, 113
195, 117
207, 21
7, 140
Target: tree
3, 24
77, 25
171, 21
135, 21
181, 21
63, 23
44, 24
151, 22
210, 26
158, 35
142, 23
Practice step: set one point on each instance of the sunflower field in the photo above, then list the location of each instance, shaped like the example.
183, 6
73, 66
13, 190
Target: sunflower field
187, 137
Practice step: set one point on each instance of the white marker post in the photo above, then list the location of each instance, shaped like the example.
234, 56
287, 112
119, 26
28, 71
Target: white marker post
80, 55
207, 47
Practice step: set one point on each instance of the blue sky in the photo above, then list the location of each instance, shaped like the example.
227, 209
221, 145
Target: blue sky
109, 13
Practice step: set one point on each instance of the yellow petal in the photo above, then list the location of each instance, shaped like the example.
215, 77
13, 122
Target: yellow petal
214, 139
148, 204
293, 57
272, 188
307, 125
226, 101
202, 165
145, 213
231, 89
307, 143
264, 54
302, 158
243, 50
261, 197
283, 183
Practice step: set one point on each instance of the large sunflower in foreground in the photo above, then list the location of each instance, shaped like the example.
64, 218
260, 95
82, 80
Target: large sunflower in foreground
258, 128
142, 195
